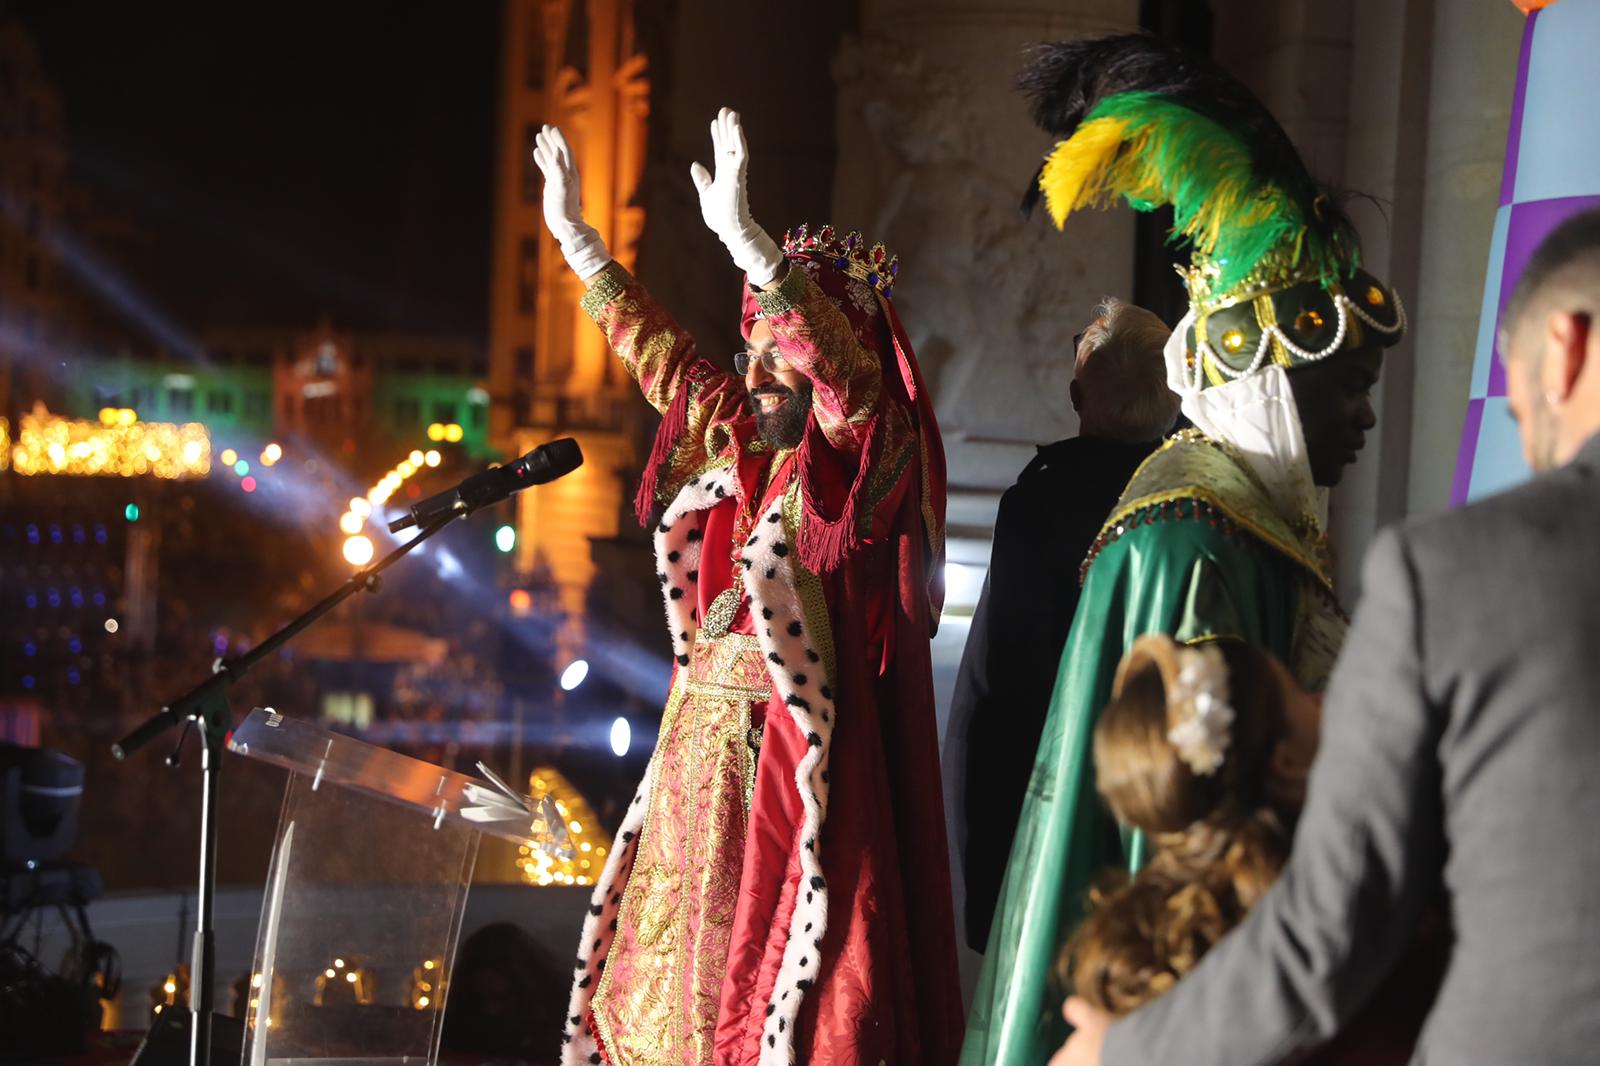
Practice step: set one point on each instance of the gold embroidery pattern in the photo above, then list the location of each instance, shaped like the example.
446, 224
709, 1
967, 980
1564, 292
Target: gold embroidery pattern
719, 616
1192, 466
608, 285
658, 999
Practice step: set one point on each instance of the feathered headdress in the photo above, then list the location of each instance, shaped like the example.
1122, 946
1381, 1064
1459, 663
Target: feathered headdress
1157, 126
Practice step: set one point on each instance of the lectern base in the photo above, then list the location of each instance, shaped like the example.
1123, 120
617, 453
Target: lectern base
167, 1042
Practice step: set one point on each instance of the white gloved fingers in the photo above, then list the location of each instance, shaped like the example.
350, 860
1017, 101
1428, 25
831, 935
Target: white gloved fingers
700, 176
541, 157
716, 143
736, 129
563, 150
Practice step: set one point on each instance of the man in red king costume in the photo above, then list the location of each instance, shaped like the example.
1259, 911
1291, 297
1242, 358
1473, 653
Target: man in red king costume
779, 887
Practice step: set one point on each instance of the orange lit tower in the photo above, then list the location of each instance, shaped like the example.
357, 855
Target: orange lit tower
574, 64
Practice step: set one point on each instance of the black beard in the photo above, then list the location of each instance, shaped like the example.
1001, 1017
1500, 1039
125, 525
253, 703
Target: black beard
785, 425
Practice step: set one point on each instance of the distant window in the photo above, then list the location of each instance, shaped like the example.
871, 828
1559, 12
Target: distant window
219, 403
255, 404
444, 412
524, 360
528, 276
475, 414
353, 709
533, 56
180, 401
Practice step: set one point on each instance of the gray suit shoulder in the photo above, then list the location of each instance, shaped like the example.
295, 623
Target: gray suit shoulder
1549, 509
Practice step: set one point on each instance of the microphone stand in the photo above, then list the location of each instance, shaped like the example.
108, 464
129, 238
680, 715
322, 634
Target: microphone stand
206, 707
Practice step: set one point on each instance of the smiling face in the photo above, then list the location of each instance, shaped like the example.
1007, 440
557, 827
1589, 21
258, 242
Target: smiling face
780, 398
1334, 399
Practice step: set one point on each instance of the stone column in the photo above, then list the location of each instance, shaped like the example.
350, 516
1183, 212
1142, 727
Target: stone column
1474, 67
934, 152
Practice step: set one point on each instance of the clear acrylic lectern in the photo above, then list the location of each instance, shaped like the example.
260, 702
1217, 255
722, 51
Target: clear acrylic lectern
365, 895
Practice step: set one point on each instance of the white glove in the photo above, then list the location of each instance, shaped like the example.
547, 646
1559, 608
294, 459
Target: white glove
726, 207
563, 210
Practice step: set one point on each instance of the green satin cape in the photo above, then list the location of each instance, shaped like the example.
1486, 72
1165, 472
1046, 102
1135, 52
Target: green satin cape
1194, 563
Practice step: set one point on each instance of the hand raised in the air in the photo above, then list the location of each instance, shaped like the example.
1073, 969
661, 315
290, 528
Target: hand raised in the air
725, 205
563, 204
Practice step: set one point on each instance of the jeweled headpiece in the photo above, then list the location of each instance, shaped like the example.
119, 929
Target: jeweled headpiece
1199, 715
1275, 269
849, 252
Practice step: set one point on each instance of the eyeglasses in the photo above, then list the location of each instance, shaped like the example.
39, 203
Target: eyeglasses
771, 362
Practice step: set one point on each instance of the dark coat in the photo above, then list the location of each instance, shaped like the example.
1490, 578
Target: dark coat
1046, 523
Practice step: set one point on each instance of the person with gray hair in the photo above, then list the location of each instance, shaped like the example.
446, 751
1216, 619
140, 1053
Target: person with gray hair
1119, 382
1459, 740
1042, 533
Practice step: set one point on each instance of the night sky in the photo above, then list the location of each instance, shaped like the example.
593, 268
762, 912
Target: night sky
289, 160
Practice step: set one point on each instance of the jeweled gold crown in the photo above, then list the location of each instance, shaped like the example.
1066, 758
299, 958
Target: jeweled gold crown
849, 252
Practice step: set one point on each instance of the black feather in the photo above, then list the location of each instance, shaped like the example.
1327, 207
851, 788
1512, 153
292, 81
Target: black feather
1064, 81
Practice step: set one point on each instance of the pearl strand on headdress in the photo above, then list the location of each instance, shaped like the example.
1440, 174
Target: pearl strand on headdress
1342, 304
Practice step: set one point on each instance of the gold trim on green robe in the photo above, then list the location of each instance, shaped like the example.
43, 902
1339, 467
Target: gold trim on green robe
1194, 549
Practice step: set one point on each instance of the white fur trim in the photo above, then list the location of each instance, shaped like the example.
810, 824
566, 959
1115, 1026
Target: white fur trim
798, 678
578, 1043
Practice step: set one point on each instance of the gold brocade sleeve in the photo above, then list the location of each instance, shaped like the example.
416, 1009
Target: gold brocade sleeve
697, 399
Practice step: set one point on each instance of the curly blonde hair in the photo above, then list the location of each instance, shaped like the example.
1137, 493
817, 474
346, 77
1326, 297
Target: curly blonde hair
1217, 843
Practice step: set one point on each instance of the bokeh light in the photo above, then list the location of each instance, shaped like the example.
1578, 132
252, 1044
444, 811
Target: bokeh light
358, 550
574, 674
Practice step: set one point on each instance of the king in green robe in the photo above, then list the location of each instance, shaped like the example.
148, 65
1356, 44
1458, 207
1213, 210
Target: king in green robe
1219, 535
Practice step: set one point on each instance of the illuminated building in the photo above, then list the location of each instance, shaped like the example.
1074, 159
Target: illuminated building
254, 384
32, 170
578, 66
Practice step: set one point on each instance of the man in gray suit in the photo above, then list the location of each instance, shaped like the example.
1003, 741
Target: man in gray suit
1460, 755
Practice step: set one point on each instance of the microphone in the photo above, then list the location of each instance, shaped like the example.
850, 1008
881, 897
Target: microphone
545, 463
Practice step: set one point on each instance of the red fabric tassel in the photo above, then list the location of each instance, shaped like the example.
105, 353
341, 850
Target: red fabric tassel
826, 541
673, 424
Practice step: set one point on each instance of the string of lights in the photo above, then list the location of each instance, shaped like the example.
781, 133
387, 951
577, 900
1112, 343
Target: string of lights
547, 858
118, 444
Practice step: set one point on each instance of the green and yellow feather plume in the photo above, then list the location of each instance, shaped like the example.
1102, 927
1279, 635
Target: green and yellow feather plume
1152, 150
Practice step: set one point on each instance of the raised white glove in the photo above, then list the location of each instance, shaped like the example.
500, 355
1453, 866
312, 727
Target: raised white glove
563, 209
725, 206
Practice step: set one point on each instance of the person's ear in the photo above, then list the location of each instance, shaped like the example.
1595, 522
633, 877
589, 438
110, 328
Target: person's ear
1566, 341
